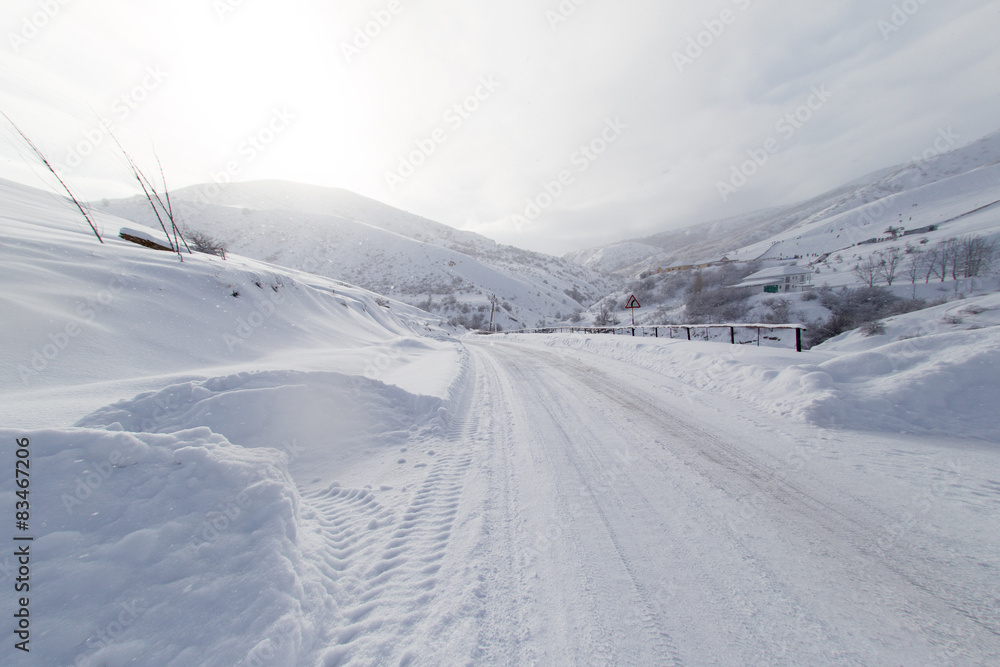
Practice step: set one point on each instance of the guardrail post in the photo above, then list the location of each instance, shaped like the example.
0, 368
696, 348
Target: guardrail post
732, 335
798, 339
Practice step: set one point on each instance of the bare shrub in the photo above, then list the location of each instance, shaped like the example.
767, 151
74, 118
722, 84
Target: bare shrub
728, 304
853, 308
873, 328
201, 242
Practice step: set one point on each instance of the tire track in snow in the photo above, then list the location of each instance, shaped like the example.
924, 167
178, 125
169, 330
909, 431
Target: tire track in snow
478, 618
347, 518
607, 565
384, 568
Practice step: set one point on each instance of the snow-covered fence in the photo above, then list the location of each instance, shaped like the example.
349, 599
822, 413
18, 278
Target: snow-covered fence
688, 331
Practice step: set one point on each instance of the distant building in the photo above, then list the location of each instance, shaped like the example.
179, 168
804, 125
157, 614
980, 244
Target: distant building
679, 267
688, 267
779, 279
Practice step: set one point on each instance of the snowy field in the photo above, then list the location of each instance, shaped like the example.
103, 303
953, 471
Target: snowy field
296, 475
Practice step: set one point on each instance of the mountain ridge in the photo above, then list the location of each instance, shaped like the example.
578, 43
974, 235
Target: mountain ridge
345, 236
712, 239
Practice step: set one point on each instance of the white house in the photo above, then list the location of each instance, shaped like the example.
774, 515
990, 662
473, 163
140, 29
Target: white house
780, 279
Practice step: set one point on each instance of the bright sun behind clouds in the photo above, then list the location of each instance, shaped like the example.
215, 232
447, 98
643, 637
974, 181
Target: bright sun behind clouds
339, 94
203, 82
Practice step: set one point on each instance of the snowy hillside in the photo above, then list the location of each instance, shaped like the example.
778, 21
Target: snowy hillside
95, 321
342, 235
703, 241
919, 218
939, 189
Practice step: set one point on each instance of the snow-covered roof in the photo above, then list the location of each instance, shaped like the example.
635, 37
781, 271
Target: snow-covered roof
777, 272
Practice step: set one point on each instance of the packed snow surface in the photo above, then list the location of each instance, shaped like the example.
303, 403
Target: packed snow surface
289, 473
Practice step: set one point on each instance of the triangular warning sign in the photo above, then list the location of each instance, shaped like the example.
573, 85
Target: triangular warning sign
632, 302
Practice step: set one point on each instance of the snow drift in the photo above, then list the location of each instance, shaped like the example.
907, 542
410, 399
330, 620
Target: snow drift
929, 373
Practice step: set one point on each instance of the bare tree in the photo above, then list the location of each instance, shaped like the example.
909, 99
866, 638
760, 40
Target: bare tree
868, 271
698, 283
930, 264
606, 315
977, 255
889, 263
943, 255
41, 156
913, 268
952, 252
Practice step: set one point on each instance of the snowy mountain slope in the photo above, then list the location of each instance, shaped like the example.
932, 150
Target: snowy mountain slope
932, 190
965, 203
620, 257
347, 237
684, 246
85, 320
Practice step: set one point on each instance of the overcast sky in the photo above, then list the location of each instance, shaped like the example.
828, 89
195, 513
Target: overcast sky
547, 124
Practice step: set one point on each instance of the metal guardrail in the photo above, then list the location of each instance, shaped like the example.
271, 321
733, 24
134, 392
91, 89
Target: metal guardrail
669, 329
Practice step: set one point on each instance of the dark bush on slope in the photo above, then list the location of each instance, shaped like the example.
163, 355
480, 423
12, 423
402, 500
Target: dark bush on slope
718, 305
853, 308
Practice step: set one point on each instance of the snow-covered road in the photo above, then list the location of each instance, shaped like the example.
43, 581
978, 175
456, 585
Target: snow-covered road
515, 501
598, 513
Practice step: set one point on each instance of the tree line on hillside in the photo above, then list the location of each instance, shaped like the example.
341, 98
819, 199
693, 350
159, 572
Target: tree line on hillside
957, 258
709, 296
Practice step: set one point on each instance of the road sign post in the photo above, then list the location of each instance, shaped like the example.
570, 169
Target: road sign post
632, 304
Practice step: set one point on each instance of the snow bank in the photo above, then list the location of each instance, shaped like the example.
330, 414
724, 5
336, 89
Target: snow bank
325, 422
161, 549
930, 373
160, 543
945, 383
